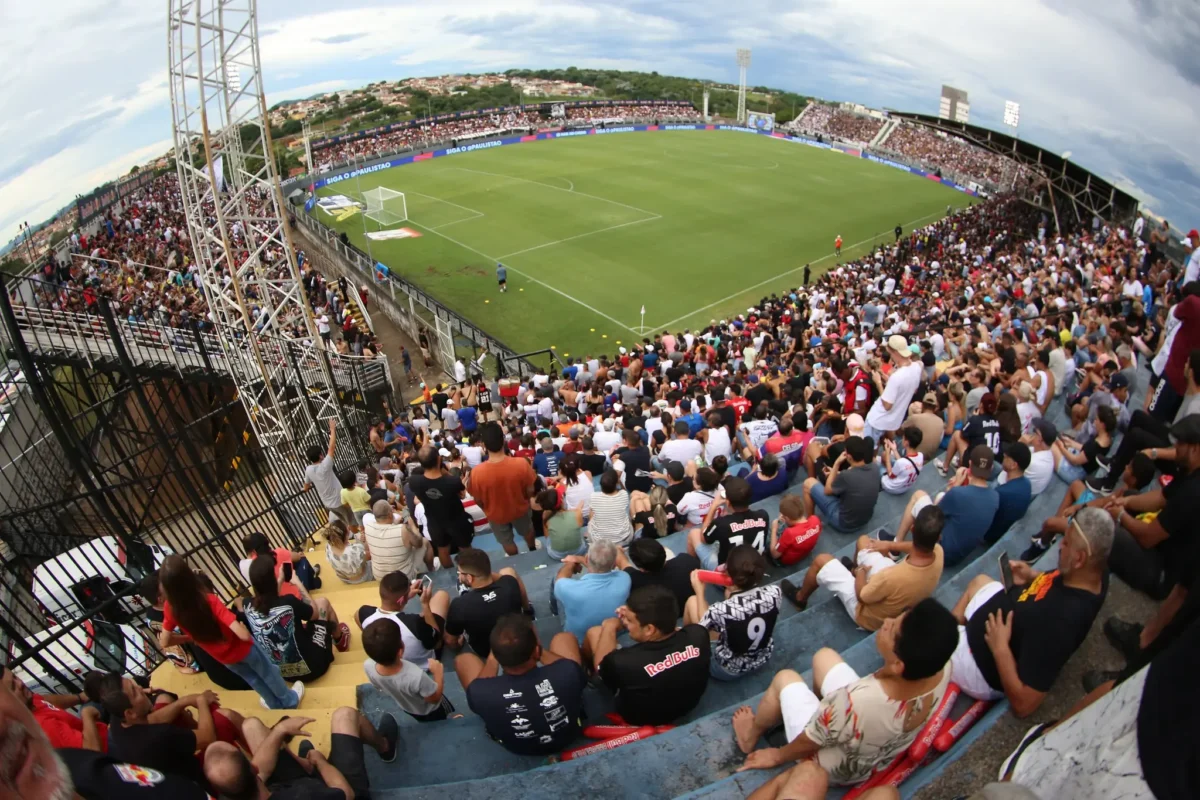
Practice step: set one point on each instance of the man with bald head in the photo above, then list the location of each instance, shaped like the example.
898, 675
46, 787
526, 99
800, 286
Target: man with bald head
274, 771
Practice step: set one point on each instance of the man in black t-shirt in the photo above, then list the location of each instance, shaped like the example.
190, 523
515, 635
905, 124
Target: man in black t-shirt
678, 482
536, 706
650, 567
441, 493
1149, 554
1014, 643
636, 458
713, 540
660, 678
491, 595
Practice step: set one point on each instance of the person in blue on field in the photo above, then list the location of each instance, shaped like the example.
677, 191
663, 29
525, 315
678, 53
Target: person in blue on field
502, 277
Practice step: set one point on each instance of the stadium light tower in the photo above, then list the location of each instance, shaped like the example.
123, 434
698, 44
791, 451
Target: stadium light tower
743, 62
1012, 115
234, 215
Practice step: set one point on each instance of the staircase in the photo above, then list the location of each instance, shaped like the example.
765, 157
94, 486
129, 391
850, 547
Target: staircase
884, 132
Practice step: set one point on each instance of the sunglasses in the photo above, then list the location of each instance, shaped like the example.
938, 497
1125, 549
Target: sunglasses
1087, 545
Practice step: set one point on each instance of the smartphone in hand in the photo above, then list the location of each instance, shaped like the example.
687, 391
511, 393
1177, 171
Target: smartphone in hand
1006, 573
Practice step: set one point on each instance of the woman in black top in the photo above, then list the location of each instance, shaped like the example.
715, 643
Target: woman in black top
654, 515
284, 628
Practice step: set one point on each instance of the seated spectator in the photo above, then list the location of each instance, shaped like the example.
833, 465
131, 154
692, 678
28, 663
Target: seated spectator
593, 597
347, 553
767, 479
1149, 551
924, 417
49, 711
788, 443
272, 768
662, 676
807, 781
873, 588
142, 734
1138, 474
488, 596
679, 483
1014, 643
256, 545
421, 634
857, 724
697, 502
610, 512
545, 463
564, 528
738, 525
682, 449
901, 468
969, 505
654, 514
1042, 462
576, 485
648, 564
395, 543
418, 692
536, 706
741, 625
799, 535
1015, 494
1078, 461
980, 428
847, 497
300, 645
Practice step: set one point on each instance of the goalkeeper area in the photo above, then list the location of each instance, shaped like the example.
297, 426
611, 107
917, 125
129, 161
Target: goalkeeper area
385, 206
692, 225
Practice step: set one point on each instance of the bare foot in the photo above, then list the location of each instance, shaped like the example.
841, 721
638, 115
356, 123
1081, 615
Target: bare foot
743, 729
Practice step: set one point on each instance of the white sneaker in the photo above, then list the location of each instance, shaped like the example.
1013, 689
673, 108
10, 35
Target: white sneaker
262, 700
298, 688
537, 544
437, 563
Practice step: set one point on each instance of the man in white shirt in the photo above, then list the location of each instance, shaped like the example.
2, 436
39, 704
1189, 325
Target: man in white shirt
606, 438
901, 468
681, 448
1042, 462
887, 412
395, 543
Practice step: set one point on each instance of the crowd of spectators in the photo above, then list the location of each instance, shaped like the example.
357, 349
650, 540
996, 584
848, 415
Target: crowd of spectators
819, 119
638, 112
939, 151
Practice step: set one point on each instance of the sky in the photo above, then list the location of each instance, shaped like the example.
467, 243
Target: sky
1115, 83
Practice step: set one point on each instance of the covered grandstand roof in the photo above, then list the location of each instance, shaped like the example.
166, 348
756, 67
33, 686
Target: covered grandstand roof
1085, 190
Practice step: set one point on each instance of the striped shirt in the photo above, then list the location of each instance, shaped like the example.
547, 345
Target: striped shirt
610, 518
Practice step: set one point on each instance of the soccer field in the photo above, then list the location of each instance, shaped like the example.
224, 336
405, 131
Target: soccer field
695, 225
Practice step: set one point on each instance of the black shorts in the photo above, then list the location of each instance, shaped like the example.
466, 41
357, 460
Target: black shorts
345, 754
443, 711
485, 408
502, 281
458, 536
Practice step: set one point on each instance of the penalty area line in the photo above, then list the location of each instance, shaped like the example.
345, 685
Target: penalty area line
527, 276
774, 278
580, 236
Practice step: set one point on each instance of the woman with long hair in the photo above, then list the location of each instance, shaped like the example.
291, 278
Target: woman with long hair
213, 628
349, 557
956, 411
1010, 420
299, 645
563, 526
576, 484
654, 515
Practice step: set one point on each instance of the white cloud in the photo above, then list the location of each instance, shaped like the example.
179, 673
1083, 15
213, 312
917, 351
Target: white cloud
306, 91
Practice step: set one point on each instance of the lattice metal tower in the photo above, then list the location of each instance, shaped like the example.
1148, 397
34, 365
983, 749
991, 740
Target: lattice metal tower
743, 61
242, 247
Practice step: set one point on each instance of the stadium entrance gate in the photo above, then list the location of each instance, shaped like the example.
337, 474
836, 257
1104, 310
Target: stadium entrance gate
444, 346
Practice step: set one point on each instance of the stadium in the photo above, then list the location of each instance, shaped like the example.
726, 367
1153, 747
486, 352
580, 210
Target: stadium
852, 451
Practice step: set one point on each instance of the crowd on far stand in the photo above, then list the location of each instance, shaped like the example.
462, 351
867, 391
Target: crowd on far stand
825, 120
936, 150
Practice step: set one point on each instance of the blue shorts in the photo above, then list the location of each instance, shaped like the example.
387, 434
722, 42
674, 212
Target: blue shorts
1085, 497
707, 553
829, 505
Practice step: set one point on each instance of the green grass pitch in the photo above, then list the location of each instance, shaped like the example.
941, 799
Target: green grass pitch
695, 225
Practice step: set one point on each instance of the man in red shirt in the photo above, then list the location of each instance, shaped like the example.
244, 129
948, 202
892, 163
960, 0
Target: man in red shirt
1169, 388
502, 486
62, 728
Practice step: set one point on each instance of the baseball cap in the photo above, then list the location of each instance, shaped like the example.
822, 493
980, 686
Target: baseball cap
855, 424
1194, 235
1187, 430
930, 399
443, 452
898, 343
981, 461
1019, 452
1118, 381
1046, 428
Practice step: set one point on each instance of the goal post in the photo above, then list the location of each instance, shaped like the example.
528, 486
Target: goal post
385, 206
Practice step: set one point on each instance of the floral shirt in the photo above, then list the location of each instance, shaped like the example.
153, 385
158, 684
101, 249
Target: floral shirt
859, 728
351, 566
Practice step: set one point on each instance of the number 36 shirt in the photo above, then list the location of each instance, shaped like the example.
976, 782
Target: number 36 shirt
740, 527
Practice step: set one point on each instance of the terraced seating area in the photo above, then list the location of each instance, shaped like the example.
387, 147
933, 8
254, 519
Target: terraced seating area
698, 756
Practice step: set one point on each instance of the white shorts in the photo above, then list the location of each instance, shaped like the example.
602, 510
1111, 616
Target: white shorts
920, 503
836, 578
964, 671
797, 703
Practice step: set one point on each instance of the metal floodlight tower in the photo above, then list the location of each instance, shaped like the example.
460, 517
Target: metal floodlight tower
743, 62
234, 215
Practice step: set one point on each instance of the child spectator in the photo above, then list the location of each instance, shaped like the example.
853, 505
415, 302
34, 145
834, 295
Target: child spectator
799, 535
419, 693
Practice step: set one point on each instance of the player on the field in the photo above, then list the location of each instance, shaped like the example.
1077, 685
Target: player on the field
502, 277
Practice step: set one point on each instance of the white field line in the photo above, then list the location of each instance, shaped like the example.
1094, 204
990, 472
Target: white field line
476, 212
559, 189
772, 279
578, 236
557, 291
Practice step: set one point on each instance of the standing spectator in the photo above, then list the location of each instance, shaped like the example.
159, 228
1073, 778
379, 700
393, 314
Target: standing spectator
741, 625
547, 684
502, 485
441, 495
212, 627
594, 596
887, 412
662, 676
319, 474
545, 463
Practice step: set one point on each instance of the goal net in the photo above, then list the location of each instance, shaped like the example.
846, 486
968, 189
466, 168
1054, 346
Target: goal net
385, 206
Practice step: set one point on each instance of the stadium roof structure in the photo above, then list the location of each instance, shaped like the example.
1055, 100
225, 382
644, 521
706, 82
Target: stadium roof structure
1085, 191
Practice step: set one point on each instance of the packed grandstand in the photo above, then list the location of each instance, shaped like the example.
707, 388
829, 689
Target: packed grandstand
788, 454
